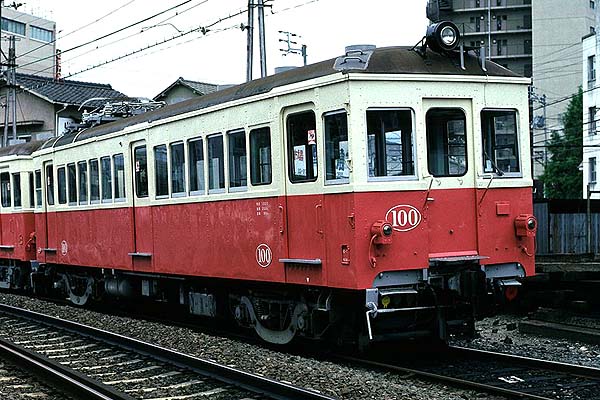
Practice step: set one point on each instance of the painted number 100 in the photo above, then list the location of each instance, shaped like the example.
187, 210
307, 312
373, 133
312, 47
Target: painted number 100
403, 217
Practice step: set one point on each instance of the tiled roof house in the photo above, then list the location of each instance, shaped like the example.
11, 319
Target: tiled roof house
183, 89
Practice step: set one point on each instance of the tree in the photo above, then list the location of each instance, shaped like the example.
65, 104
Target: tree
562, 178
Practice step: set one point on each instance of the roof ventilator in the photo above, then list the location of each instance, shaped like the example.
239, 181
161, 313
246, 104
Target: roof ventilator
356, 57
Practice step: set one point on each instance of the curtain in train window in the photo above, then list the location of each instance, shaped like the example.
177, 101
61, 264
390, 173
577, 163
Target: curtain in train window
446, 142
119, 168
177, 168
62, 185
161, 173
5, 189
72, 183
196, 157
500, 141
141, 171
94, 181
82, 173
106, 173
260, 156
216, 163
302, 147
238, 175
336, 147
16, 180
50, 185
390, 143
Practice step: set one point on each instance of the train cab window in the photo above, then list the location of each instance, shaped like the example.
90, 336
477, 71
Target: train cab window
141, 171
216, 164
336, 148
161, 173
196, 159
72, 183
302, 147
62, 185
94, 181
106, 174
238, 169
5, 189
50, 185
260, 156
82, 173
119, 168
446, 142
38, 188
500, 142
390, 143
177, 169
16, 183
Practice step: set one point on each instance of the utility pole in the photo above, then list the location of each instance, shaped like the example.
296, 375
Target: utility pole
291, 50
250, 41
489, 21
261, 34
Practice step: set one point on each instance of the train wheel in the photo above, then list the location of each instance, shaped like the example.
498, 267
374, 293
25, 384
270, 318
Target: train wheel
79, 288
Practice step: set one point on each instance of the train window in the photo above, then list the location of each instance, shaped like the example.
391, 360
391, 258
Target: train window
500, 142
260, 156
196, 157
72, 183
446, 142
216, 164
302, 147
177, 169
336, 148
141, 171
50, 184
38, 188
161, 172
16, 181
106, 179
31, 191
238, 170
82, 172
94, 181
62, 185
390, 143
119, 168
5, 189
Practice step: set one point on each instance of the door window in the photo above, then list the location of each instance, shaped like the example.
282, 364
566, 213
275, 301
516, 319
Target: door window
302, 147
141, 171
446, 142
500, 141
337, 169
390, 143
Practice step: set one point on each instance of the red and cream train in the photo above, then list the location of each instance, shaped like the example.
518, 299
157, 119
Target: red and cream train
376, 195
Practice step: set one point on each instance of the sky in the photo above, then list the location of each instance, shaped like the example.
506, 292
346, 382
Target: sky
219, 55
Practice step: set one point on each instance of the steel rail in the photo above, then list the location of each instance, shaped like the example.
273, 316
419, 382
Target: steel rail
66, 379
261, 385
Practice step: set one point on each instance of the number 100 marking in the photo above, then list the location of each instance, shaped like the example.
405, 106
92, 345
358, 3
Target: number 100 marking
403, 218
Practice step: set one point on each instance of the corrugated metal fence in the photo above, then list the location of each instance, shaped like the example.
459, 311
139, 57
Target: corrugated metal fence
562, 226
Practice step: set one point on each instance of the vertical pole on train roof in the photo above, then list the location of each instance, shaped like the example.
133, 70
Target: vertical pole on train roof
261, 34
250, 41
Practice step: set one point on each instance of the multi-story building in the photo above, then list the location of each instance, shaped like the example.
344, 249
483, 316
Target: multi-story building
539, 39
35, 42
591, 103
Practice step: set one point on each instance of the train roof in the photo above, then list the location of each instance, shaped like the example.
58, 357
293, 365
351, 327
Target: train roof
387, 60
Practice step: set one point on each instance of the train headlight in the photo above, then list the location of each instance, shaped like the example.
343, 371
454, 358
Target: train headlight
442, 36
525, 225
387, 230
531, 224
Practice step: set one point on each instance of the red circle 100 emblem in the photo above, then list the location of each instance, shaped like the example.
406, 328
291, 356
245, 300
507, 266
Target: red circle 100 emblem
403, 217
264, 256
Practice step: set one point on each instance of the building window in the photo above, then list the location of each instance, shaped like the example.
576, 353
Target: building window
177, 168
337, 168
9, 25
41, 34
119, 168
5, 188
216, 163
446, 142
527, 70
62, 185
592, 121
390, 143
141, 171
592, 4
260, 156
592, 170
106, 174
500, 142
82, 173
16, 181
527, 46
591, 64
302, 147
527, 21
196, 157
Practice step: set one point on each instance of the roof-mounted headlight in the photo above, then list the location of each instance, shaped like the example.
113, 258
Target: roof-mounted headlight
442, 36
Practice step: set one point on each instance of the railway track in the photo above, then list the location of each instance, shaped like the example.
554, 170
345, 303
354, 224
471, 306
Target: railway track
123, 368
495, 373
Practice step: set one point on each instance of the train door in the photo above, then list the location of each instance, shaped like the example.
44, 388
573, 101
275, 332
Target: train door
46, 201
451, 202
304, 199
142, 212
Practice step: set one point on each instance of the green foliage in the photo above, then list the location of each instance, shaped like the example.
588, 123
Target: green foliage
562, 178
